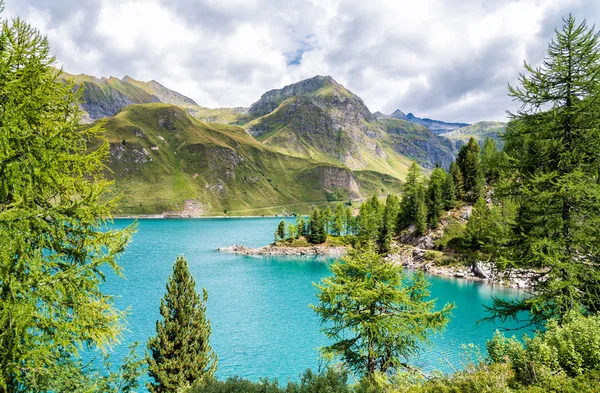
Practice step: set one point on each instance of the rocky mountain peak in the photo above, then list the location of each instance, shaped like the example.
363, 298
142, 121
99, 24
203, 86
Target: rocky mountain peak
398, 114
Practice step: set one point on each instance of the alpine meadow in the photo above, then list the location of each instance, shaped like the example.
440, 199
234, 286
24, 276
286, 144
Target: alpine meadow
272, 234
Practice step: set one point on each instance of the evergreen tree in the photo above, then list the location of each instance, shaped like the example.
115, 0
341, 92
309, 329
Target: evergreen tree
369, 219
394, 317
469, 163
491, 160
421, 213
410, 197
349, 220
301, 227
553, 143
280, 231
457, 177
435, 196
316, 227
388, 222
180, 353
338, 220
327, 219
292, 231
486, 229
54, 246
449, 192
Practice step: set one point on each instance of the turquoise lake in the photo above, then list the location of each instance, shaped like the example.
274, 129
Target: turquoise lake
258, 307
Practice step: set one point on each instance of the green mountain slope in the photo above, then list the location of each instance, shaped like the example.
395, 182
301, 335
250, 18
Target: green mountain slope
162, 159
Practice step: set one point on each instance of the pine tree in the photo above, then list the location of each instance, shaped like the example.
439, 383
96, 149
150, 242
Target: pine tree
301, 227
280, 231
409, 202
292, 231
491, 160
327, 219
55, 248
449, 192
316, 227
369, 219
469, 163
435, 196
180, 353
553, 142
394, 319
421, 213
338, 220
349, 220
457, 177
388, 222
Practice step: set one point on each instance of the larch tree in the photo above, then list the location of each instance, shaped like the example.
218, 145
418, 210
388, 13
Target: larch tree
376, 317
55, 247
180, 354
553, 166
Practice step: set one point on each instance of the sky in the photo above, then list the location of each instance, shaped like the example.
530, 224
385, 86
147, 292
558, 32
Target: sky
443, 59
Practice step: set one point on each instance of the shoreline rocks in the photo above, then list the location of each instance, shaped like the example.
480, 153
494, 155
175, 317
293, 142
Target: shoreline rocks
286, 250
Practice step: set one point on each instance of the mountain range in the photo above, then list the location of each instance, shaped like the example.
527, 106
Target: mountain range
307, 143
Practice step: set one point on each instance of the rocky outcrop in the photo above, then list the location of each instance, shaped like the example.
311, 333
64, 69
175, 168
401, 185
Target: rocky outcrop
283, 250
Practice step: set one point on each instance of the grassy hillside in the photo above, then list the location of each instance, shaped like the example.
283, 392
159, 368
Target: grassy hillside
162, 157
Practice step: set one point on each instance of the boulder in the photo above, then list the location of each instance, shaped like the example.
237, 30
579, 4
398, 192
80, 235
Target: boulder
482, 269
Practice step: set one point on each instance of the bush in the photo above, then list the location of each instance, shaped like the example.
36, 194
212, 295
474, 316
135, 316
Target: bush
452, 237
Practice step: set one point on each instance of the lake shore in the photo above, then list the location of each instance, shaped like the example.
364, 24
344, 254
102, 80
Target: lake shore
409, 257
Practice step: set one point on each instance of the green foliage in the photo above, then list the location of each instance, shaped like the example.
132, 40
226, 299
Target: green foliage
449, 192
552, 144
486, 229
572, 348
469, 162
376, 317
337, 226
280, 231
491, 160
413, 209
436, 200
55, 245
388, 222
180, 353
452, 236
370, 219
457, 178
316, 227
331, 380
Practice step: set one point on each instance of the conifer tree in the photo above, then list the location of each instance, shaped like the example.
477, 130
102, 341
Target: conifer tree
469, 162
55, 248
394, 315
316, 227
292, 231
457, 177
369, 219
410, 197
449, 192
435, 196
388, 222
553, 142
300, 227
338, 220
349, 221
180, 353
490, 160
280, 231
421, 213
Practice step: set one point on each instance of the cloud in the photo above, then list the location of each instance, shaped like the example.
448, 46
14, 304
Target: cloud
446, 59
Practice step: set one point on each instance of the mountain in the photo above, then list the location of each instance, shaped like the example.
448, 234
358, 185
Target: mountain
436, 126
164, 160
479, 131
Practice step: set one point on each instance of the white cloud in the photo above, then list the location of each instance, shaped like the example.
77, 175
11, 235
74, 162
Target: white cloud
437, 58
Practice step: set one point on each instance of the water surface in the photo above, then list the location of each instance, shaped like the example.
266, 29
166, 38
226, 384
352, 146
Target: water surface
258, 306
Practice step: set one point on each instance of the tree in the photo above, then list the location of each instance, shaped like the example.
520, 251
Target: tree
338, 220
327, 219
292, 231
449, 192
491, 160
280, 231
486, 229
180, 353
435, 196
552, 144
350, 221
301, 227
377, 317
369, 219
410, 197
421, 211
316, 227
457, 177
469, 162
388, 222
55, 247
